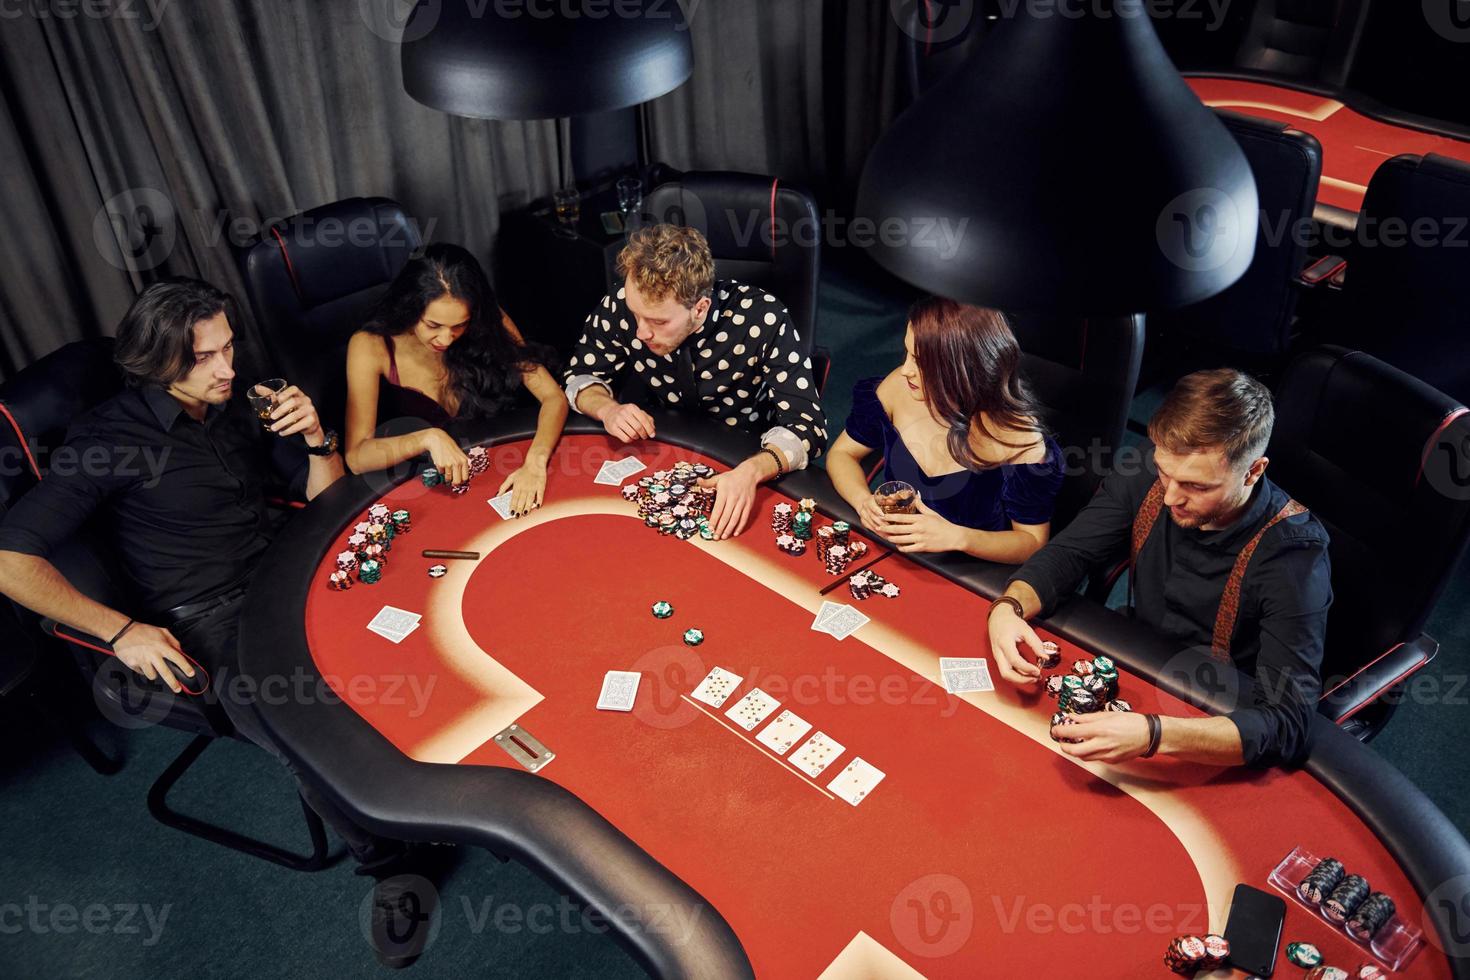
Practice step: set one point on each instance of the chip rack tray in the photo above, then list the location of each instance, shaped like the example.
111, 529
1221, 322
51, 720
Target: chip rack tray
1395, 945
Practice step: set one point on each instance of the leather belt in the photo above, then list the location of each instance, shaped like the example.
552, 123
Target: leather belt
191, 609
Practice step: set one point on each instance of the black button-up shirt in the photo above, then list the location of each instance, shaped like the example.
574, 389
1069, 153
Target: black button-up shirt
1180, 576
181, 503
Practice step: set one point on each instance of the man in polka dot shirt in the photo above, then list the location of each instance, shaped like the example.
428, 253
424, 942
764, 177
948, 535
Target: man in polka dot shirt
674, 338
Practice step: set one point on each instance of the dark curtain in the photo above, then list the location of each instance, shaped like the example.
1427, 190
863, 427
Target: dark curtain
138, 149
151, 149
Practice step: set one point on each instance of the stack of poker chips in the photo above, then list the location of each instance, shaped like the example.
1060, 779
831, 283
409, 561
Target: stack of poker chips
824, 541
347, 561
1064, 718
369, 572
1345, 898
1091, 686
340, 581
1317, 886
1370, 917
479, 461
378, 513
791, 544
378, 535
1187, 955
781, 518
374, 553
841, 533
836, 559
669, 502
801, 525
402, 521
1051, 655
865, 585
431, 476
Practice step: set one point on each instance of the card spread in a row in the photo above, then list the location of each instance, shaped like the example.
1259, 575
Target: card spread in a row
855, 781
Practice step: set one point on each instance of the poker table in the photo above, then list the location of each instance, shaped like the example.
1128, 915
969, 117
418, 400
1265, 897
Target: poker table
984, 851
1354, 143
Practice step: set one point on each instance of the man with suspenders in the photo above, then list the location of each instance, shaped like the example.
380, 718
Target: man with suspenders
1220, 558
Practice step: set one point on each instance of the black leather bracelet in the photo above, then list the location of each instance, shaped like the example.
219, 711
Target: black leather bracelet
126, 626
1155, 735
1011, 601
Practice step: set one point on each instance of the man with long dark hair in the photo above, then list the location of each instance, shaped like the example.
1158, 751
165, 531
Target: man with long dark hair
189, 536
674, 338
1235, 567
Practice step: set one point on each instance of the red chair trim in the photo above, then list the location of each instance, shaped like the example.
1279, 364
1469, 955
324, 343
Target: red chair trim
20, 437
775, 185
1379, 693
1433, 440
62, 634
286, 257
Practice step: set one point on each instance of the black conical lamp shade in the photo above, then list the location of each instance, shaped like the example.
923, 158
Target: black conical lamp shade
541, 60
1076, 172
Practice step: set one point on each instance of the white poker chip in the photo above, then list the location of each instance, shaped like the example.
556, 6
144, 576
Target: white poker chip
437, 571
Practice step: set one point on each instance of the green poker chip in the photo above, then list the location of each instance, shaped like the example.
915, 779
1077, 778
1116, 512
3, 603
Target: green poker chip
663, 610
1304, 955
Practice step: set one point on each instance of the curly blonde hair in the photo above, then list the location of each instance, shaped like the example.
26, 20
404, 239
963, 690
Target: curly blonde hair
669, 259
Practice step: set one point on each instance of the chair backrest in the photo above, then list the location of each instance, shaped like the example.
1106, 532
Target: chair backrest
1358, 442
1084, 372
934, 38
39, 403
761, 230
1407, 270
1254, 316
1303, 39
312, 279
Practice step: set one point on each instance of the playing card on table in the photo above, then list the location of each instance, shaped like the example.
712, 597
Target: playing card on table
819, 752
501, 505
825, 614
844, 622
627, 466
753, 709
394, 624
856, 781
619, 690
965, 674
717, 687
782, 733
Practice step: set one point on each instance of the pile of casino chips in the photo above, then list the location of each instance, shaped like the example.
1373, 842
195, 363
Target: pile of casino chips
836, 547
479, 463
1091, 686
669, 502
1187, 955
367, 547
1346, 899
866, 584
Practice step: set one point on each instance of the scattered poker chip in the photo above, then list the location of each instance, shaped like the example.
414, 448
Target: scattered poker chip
340, 581
693, 637
1063, 718
1054, 685
1186, 955
1370, 971
431, 477
1304, 955
888, 590
791, 545
1118, 704
1082, 667
1217, 951
438, 571
1326, 973
706, 531
369, 572
1345, 898
662, 609
460, 489
1051, 655
630, 492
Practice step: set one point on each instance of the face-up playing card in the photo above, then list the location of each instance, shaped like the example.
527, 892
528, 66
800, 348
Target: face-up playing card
753, 709
501, 505
783, 733
965, 674
717, 687
394, 624
844, 622
856, 781
619, 690
819, 752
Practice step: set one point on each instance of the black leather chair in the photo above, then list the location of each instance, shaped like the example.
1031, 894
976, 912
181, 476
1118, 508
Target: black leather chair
37, 406
1359, 443
1306, 40
936, 36
1251, 322
1084, 372
312, 279
761, 230
1406, 274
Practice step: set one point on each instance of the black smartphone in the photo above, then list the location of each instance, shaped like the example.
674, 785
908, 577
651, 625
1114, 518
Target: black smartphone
1253, 930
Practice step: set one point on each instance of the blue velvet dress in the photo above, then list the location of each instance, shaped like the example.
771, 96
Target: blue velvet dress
990, 500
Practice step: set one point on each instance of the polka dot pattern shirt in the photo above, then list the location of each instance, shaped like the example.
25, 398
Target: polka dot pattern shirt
748, 367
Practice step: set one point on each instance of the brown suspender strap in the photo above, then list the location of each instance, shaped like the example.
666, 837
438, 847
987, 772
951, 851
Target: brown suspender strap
1143, 525
1230, 598
1229, 611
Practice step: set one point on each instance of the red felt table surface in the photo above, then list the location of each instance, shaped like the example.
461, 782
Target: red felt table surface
984, 851
1353, 145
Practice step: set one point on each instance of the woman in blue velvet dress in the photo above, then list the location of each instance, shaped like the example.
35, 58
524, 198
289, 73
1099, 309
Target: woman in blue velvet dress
956, 421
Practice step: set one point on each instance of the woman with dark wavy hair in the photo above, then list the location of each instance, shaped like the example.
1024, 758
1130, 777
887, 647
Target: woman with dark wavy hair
438, 347
958, 423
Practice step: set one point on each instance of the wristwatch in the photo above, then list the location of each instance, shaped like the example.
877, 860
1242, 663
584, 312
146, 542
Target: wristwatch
328, 446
